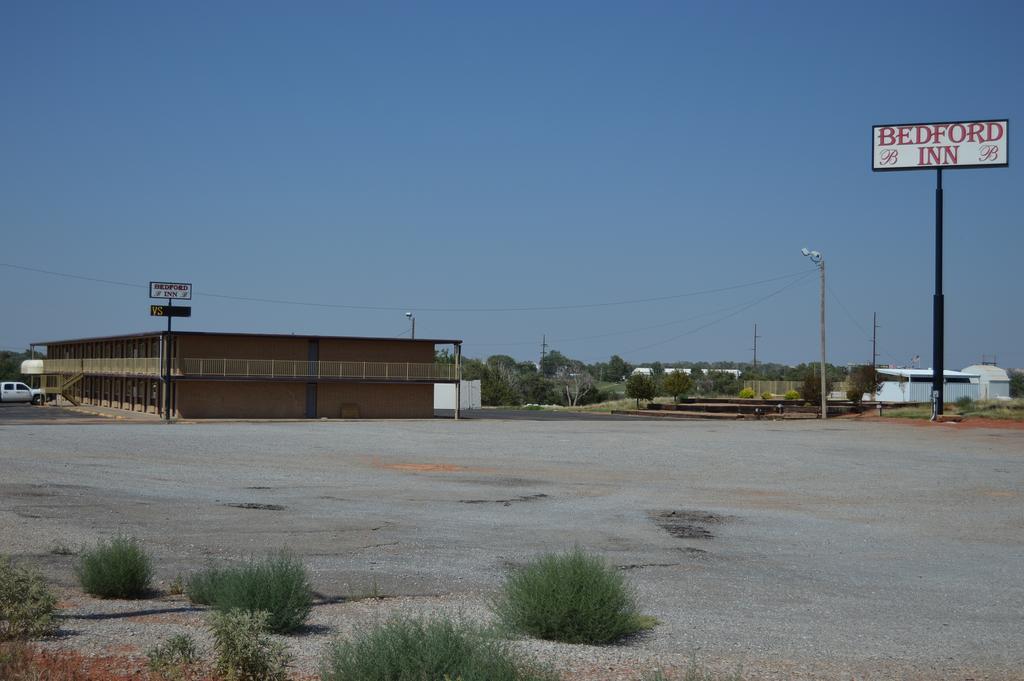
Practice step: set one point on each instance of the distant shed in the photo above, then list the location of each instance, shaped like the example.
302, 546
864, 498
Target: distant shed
993, 382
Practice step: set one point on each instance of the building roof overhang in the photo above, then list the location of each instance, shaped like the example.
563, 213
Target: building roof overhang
157, 334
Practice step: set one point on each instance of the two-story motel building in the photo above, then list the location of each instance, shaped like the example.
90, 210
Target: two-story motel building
246, 375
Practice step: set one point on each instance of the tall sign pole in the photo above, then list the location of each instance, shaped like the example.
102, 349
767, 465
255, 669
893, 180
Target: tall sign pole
169, 291
934, 146
938, 310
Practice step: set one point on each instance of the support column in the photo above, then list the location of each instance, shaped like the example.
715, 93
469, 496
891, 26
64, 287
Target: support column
458, 381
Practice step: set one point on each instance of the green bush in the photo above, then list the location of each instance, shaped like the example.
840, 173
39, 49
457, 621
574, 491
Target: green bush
811, 388
201, 588
426, 649
747, 393
862, 380
767, 395
243, 650
640, 387
792, 395
26, 603
172, 658
573, 597
119, 568
277, 585
676, 384
964, 403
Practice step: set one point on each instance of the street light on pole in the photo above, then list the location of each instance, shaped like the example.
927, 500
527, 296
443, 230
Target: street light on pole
819, 260
412, 319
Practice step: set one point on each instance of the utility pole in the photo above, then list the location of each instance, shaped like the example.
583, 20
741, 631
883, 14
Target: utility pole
874, 340
874, 352
543, 351
755, 350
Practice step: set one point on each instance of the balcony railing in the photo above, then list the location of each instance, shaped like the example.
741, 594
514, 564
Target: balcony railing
121, 366
256, 368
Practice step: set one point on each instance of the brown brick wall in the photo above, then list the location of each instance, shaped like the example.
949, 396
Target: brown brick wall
241, 347
375, 351
242, 399
376, 401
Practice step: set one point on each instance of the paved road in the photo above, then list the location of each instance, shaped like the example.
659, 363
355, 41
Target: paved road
542, 415
27, 414
894, 550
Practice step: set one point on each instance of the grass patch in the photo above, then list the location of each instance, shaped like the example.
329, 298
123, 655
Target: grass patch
118, 568
907, 412
277, 585
573, 597
427, 649
1004, 410
26, 603
612, 389
243, 650
620, 404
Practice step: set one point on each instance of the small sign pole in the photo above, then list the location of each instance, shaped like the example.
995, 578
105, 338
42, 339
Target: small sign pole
169, 291
167, 405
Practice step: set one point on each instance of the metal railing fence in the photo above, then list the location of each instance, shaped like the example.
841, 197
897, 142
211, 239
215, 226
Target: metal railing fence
124, 366
774, 387
257, 368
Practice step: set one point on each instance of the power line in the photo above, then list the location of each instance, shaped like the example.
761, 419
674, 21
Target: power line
728, 316
384, 308
621, 332
858, 325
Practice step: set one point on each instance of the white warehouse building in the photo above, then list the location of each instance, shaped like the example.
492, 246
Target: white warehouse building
915, 385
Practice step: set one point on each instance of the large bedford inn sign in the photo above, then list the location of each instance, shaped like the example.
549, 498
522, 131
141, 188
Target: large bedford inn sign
938, 146
924, 146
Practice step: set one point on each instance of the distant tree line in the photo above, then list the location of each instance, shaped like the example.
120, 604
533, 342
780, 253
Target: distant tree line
559, 379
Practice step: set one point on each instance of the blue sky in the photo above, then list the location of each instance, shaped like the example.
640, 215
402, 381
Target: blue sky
433, 156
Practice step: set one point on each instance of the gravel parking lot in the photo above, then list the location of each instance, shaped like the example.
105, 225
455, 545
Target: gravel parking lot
797, 550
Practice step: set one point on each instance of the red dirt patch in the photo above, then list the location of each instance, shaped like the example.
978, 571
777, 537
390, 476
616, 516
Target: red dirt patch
424, 467
22, 662
428, 467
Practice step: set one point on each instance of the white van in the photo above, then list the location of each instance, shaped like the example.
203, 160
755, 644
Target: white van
13, 391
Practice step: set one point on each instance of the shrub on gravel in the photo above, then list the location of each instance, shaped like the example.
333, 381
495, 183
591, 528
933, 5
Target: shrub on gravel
201, 588
26, 603
573, 597
244, 651
119, 568
173, 658
792, 395
277, 585
435, 649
